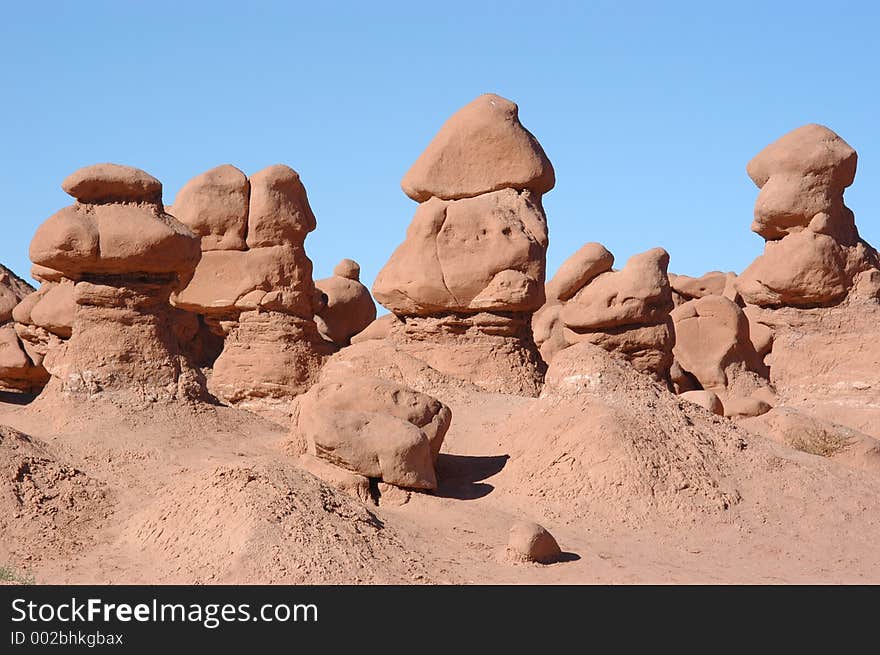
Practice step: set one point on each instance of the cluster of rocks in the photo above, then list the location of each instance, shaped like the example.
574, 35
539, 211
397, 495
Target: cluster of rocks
21, 368
141, 300
624, 311
464, 283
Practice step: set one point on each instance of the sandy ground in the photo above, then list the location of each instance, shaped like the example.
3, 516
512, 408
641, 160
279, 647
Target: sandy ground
184, 496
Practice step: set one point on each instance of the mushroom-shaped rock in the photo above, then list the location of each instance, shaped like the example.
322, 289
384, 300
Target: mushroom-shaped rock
813, 253
531, 542
125, 256
625, 311
470, 273
350, 307
254, 285
482, 148
215, 207
374, 427
801, 175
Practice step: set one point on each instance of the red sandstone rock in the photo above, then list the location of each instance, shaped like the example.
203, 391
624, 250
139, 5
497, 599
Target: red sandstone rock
112, 183
215, 207
470, 272
126, 255
577, 271
279, 211
531, 542
482, 148
478, 254
813, 253
706, 399
350, 307
376, 428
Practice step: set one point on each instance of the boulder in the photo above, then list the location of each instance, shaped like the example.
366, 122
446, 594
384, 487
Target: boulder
112, 184
376, 428
707, 399
215, 207
482, 148
576, 272
279, 211
478, 254
349, 308
470, 272
253, 286
531, 542
638, 294
813, 255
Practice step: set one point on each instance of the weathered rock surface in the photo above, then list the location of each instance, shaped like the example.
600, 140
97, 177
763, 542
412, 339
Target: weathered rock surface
253, 286
625, 311
531, 542
215, 207
470, 272
374, 427
813, 255
349, 308
482, 148
124, 256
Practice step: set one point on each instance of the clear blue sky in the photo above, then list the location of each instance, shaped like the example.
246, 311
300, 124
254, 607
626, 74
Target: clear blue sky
648, 110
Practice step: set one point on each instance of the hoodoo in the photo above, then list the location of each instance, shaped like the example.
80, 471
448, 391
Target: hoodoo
253, 286
124, 255
470, 273
813, 255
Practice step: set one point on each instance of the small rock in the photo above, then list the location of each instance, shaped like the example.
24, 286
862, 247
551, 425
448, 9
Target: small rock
531, 542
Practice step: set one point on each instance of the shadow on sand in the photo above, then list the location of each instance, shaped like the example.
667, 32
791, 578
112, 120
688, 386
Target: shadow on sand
461, 475
15, 398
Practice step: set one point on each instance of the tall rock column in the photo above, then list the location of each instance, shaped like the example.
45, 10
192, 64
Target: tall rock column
470, 273
254, 284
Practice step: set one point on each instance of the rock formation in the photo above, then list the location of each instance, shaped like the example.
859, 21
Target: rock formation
124, 256
625, 311
349, 308
253, 286
19, 370
44, 318
470, 272
714, 350
813, 255
376, 428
